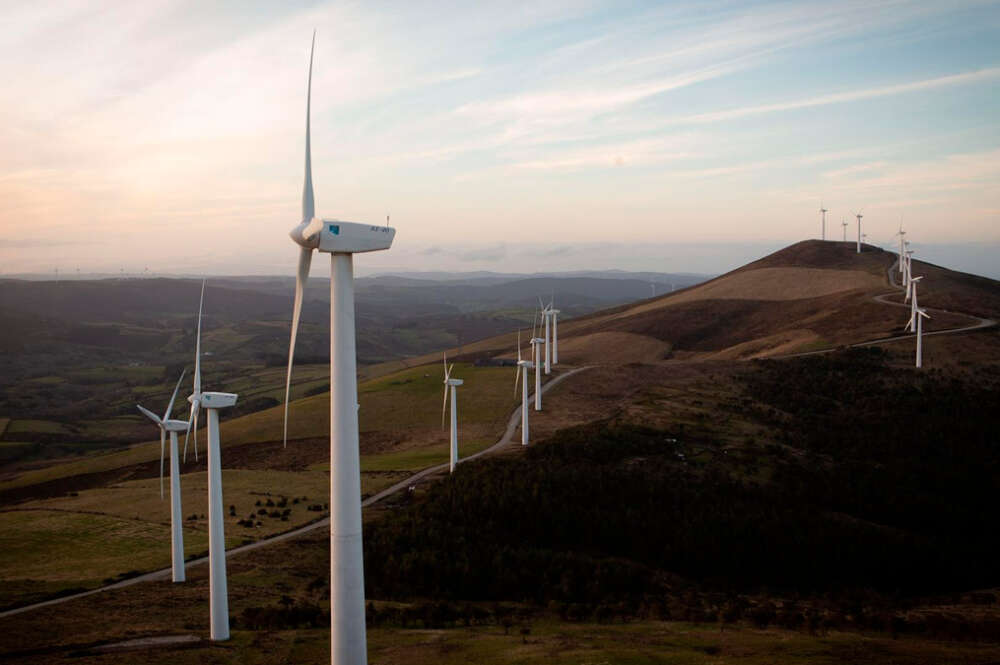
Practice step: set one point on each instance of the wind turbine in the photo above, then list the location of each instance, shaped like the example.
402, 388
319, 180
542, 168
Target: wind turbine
526, 365
912, 297
919, 314
859, 216
212, 402
908, 274
554, 313
341, 240
844, 224
536, 351
449, 385
195, 397
546, 316
167, 424
902, 243
822, 213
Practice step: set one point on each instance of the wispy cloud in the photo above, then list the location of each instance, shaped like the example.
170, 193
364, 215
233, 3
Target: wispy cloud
964, 78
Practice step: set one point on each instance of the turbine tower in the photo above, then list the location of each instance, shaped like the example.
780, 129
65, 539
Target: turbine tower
912, 297
822, 214
524, 365
536, 361
554, 313
844, 224
449, 385
218, 588
859, 216
167, 424
341, 240
546, 316
919, 314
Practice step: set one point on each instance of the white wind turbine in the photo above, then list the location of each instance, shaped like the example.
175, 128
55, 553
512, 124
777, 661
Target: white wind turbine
341, 240
919, 314
902, 243
449, 386
546, 315
217, 586
822, 213
554, 313
536, 354
859, 216
908, 273
844, 224
195, 397
912, 297
523, 367
167, 424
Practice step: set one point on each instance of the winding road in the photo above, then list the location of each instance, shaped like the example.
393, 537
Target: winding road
891, 275
512, 424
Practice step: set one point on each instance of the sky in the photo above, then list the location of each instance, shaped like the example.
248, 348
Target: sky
508, 136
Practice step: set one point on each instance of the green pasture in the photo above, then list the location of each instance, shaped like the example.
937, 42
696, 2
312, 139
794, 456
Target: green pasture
45, 551
406, 403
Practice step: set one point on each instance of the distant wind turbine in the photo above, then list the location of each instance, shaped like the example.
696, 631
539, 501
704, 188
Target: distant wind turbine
449, 385
902, 243
167, 424
536, 355
822, 213
919, 314
859, 216
547, 316
844, 224
523, 367
912, 297
554, 313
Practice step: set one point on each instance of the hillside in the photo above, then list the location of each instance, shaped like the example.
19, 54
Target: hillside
808, 296
675, 477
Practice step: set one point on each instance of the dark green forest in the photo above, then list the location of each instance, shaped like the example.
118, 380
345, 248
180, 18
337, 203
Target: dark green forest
872, 478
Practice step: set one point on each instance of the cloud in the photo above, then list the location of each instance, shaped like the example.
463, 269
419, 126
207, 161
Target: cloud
482, 254
965, 78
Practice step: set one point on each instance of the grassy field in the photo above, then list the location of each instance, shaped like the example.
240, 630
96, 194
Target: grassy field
405, 405
400, 413
46, 551
113, 530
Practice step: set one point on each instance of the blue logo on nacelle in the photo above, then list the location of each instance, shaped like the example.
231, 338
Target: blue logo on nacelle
335, 229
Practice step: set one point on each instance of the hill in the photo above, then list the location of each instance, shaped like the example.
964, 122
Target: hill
809, 296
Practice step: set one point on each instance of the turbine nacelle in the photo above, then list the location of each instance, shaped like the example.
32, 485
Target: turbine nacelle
336, 236
173, 425
218, 400
454, 382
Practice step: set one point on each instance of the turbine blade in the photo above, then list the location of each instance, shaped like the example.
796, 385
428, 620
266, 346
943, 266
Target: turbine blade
197, 408
170, 406
308, 205
197, 344
444, 404
446, 366
163, 437
517, 379
305, 260
518, 345
187, 432
149, 414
